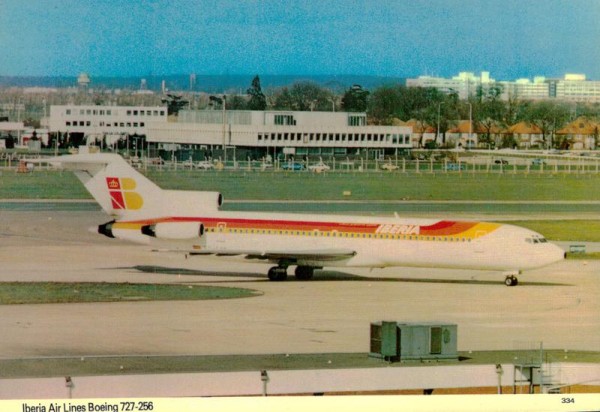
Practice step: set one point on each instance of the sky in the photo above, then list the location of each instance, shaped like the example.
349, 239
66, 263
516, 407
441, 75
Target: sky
404, 38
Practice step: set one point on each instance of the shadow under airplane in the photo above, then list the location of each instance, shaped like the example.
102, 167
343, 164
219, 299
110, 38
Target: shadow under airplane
325, 275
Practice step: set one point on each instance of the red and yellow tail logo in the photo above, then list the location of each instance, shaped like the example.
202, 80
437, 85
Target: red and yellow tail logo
122, 193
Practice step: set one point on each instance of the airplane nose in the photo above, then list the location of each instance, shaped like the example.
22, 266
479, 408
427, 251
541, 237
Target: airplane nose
559, 253
553, 254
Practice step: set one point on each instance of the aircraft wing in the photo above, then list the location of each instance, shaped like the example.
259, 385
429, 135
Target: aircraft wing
292, 256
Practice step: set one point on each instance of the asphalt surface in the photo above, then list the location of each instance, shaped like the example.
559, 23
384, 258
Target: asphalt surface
557, 305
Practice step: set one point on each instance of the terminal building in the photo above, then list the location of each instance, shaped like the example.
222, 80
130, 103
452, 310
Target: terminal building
108, 122
259, 133
281, 132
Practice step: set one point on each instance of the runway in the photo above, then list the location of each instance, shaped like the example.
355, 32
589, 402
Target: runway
557, 305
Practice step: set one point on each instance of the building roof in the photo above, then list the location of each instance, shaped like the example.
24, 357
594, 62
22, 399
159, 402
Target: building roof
419, 127
581, 126
524, 128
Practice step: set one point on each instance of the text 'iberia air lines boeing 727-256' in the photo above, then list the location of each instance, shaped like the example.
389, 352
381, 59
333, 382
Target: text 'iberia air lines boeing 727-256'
192, 222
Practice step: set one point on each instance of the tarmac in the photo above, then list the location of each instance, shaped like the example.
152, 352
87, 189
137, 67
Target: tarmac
557, 306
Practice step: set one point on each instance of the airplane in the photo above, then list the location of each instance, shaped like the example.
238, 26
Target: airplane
191, 222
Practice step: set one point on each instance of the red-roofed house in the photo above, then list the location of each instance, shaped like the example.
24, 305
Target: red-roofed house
582, 133
526, 135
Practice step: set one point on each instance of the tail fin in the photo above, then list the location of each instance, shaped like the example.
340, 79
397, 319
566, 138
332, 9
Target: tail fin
120, 190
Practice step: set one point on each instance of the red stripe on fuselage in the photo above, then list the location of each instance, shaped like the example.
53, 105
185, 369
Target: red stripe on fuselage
442, 228
446, 228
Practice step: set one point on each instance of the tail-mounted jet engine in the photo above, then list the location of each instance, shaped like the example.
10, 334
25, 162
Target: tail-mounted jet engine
174, 230
112, 230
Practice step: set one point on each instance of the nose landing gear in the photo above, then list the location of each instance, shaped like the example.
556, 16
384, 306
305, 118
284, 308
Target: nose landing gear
511, 280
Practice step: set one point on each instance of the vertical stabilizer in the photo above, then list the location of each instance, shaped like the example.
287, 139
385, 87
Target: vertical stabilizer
120, 190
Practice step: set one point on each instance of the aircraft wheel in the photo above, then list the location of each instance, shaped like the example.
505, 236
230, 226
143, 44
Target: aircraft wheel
511, 281
304, 272
277, 274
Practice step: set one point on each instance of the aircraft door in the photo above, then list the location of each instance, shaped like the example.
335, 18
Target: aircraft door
479, 247
220, 235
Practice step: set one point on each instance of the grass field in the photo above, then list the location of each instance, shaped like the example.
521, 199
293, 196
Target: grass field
384, 186
56, 292
329, 186
564, 230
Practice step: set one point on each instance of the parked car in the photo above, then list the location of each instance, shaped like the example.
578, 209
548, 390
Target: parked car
266, 165
389, 166
189, 163
455, 166
204, 165
292, 166
155, 161
538, 162
319, 167
135, 162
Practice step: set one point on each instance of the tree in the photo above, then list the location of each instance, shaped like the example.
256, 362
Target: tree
355, 99
257, 100
283, 100
304, 96
548, 116
384, 103
174, 103
489, 110
515, 109
10, 142
589, 110
236, 102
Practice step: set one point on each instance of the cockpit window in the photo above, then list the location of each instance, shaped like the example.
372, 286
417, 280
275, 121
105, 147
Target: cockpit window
536, 240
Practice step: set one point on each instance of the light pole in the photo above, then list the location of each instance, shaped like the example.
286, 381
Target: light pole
499, 372
19, 121
222, 100
224, 128
470, 124
437, 132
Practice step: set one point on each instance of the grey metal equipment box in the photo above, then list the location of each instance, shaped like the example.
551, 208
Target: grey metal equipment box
395, 341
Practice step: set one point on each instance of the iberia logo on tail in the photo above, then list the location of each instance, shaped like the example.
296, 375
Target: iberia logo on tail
122, 193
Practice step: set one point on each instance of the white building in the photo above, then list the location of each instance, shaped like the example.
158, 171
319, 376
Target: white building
537, 89
14, 129
465, 84
573, 87
300, 133
99, 121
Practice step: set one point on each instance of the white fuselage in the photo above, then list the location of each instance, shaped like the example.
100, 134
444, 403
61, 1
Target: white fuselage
378, 242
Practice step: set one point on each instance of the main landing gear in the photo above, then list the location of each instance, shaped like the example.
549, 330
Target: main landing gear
511, 280
279, 273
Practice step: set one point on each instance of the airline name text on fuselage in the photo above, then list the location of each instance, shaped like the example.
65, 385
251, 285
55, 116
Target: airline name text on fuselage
398, 229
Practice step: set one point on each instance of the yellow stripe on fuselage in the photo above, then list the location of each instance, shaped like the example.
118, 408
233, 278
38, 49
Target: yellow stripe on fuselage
480, 229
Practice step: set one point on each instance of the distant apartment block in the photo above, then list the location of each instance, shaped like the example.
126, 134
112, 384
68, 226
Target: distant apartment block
465, 84
572, 88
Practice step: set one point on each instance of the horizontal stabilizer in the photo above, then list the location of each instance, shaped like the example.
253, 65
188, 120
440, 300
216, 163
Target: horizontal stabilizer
118, 188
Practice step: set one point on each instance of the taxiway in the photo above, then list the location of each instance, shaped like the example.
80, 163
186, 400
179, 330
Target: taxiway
557, 305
